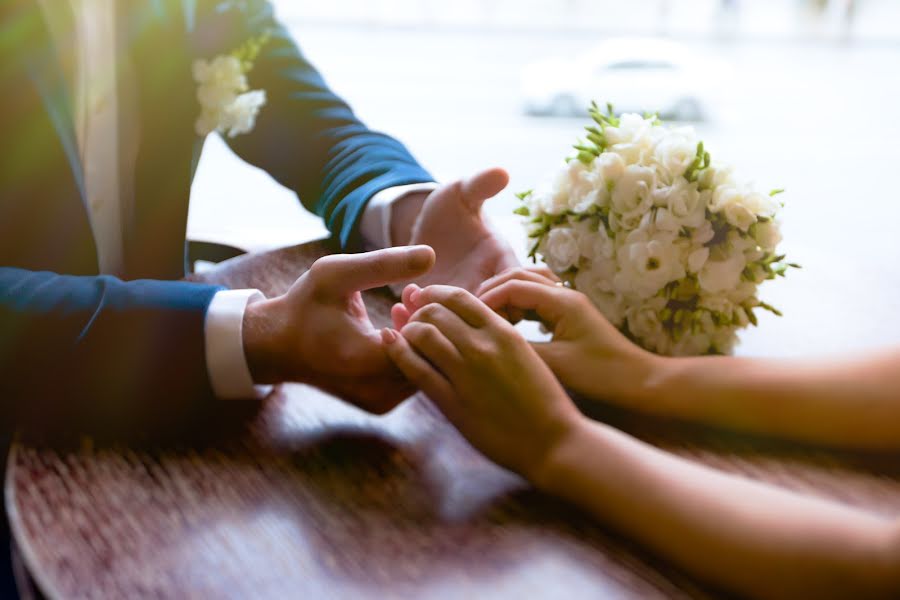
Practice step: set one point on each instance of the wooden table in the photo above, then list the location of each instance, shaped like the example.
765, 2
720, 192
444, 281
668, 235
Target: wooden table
311, 498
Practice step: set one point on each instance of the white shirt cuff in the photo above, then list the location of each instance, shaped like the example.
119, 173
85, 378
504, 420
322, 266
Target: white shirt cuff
375, 225
226, 364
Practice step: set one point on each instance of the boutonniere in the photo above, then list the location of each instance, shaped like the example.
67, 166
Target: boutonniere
227, 103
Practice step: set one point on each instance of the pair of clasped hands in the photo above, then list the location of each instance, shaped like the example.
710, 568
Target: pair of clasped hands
453, 336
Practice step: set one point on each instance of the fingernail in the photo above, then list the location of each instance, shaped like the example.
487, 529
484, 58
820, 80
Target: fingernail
414, 296
388, 336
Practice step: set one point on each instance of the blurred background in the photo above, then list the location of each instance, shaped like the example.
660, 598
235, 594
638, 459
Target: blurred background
797, 94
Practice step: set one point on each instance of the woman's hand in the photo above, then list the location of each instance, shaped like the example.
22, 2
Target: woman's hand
484, 377
588, 354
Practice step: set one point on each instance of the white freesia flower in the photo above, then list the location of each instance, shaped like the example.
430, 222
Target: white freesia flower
596, 285
719, 276
561, 249
647, 262
735, 206
610, 167
632, 139
672, 259
683, 205
594, 243
717, 175
583, 191
553, 199
767, 235
645, 323
676, 151
632, 194
697, 259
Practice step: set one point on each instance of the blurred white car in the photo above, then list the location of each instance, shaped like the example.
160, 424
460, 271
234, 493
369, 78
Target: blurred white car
635, 75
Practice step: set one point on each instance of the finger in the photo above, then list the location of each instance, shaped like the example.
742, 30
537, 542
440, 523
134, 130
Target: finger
434, 347
415, 368
399, 316
343, 274
549, 302
482, 186
469, 308
406, 297
549, 352
460, 333
538, 275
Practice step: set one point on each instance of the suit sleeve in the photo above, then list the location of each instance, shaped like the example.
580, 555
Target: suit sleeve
309, 139
102, 353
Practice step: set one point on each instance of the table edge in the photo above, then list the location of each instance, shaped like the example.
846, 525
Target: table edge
17, 533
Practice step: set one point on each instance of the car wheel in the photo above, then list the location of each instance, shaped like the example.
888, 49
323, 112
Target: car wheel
564, 106
688, 109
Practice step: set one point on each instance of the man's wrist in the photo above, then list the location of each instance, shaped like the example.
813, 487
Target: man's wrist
404, 212
226, 361
376, 224
259, 334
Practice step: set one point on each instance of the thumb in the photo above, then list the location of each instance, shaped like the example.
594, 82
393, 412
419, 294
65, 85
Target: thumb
343, 274
482, 186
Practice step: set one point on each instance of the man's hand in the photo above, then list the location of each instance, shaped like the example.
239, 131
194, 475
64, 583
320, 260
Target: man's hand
450, 221
319, 332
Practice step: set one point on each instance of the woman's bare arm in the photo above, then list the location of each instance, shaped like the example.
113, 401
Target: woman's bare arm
744, 536
850, 402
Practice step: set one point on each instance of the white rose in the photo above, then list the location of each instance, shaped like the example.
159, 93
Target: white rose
560, 249
647, 262
676, 150
632, 194
718, 276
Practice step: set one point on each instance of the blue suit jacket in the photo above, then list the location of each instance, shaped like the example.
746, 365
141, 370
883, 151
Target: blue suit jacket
106, 351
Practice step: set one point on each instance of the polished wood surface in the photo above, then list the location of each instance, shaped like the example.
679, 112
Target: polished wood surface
311, 498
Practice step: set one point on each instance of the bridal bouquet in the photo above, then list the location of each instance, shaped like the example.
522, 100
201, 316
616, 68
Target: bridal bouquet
670, 246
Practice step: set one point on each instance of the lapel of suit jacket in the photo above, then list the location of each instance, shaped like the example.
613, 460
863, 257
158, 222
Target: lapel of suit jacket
47, 222
154, 247
42, 66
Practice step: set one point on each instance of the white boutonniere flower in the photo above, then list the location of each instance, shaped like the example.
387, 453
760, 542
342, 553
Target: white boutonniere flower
227, 103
